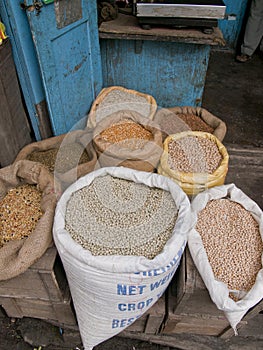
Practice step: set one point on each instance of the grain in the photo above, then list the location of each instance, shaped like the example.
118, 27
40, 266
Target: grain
117, 100
127, 134
62, 158
113, 216
194, 154
232, 241
195, 123
20, 211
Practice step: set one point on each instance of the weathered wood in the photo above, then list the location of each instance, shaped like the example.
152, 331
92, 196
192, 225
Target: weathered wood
45, 280
15, 129
128, 28
67, 12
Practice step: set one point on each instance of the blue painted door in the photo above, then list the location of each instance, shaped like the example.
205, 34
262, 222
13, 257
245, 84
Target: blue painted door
26, 62
65, 35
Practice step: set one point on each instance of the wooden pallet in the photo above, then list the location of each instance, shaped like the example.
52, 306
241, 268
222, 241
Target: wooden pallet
190, 308
40, 292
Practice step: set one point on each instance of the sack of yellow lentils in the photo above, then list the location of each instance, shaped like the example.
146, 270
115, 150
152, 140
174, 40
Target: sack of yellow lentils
126, 138
195, 160
117, 98
27, 205
68, 156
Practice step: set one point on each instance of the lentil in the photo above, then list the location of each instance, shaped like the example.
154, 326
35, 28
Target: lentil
114, 216
232, 241
194, 154
195, 123
19, 213
128, 134
63, 158
117, 100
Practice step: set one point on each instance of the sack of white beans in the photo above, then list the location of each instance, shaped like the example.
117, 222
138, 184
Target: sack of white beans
120, 234
226, 245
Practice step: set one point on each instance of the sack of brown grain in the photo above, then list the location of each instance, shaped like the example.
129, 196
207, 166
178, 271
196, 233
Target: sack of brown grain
28, 197
195, 160
117, 98
226, 245
125, 138
68, 156
177, 119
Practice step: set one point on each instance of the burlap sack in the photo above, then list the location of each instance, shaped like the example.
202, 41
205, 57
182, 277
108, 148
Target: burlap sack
170, 123
105, 104
109, 154
194, 183
83, 137
16, 256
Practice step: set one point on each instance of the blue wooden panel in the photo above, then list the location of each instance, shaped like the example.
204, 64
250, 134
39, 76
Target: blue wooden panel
231, 29
174, 73
25, 58
69, 59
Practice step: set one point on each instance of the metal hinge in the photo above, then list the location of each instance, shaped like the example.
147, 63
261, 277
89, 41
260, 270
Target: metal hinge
35, 6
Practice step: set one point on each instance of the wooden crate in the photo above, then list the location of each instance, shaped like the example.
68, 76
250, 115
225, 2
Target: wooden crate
44, 280
40, 292
151, 321
190, 308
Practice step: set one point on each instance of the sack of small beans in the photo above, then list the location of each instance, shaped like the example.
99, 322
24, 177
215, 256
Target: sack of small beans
117, 98
195, 160
177, 119
226, 245
126, 138
120, 234
68, 156
27, 207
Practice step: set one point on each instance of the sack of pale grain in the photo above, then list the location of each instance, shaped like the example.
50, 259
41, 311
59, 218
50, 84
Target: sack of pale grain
68, 156
177, 119
27, 206
120, 234
226, 245
117, 98
195, 160
126, 138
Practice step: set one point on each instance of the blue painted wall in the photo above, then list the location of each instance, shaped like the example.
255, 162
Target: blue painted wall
174, 73
231, 29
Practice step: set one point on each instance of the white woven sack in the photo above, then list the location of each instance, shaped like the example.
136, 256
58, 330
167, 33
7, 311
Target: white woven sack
219, 292
110, 292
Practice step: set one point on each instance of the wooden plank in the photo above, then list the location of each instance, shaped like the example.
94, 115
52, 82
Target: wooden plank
127, 27
45, 280
15, 130
67, 12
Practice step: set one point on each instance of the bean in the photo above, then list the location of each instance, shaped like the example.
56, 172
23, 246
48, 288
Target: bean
232, 241
114, 216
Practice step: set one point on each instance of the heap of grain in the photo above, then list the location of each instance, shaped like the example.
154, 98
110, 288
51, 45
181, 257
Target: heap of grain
126, 138
232, 240
67, 156
63, 158
20, 211
177, 119
113, 216
226, 244
195, 160
117, 98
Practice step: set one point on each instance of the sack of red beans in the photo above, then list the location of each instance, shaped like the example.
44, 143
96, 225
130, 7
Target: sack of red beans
226, 245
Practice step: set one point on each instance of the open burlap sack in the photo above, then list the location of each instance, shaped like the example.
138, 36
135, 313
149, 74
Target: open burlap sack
170, 122
113, 154
81, 137
117, 98
17, 255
